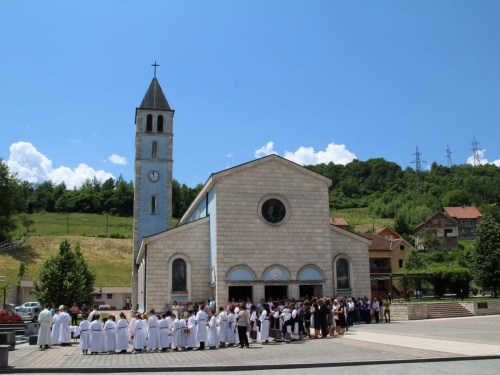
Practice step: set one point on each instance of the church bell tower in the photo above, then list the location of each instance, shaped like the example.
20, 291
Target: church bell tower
153, 178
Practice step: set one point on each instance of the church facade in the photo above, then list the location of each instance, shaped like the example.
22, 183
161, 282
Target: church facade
257, 230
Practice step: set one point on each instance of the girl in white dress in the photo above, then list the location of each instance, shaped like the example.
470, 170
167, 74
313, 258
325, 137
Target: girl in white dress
55, 328
231, 333
84, 334
191, 332
170, 323
122, 334
164, 330
139, 341
222, 322
264, 324
212, 331
110, 334
177, 333
96, 335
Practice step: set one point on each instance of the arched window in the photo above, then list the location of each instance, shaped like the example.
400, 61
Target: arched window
153, 204
179, 275
149, 123
159, 124
343, 279
154, 150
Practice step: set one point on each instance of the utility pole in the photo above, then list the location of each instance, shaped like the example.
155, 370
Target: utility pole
107, 223
418, 165
448, 156
475, 151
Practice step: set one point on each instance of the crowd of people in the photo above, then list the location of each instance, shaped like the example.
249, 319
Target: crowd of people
201, 325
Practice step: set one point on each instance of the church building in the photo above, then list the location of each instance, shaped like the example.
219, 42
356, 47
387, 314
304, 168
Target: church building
258, 230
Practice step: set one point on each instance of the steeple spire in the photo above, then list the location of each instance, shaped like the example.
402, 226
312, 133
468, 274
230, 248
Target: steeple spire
154, 98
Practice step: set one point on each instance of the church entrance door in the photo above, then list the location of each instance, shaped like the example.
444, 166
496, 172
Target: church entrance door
310, 290
240, 293
276, 292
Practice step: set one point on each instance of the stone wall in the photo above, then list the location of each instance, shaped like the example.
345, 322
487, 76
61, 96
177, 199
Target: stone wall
414, 311
482, 308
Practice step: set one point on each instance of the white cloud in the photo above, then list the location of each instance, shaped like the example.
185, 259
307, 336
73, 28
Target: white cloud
75, 140
265, 150
117, 159
482, 159
337, 154
33, 166
229, 155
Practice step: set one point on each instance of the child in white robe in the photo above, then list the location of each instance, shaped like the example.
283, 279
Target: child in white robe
222, 331
122, 334
110, 334
164, 330
212, 331
139, 342
131, 327
56, 328
84, 334
153, 332
170, 323
264, 324
191, 332
96, 335
231, 330
64, 331
177, 333
145, 331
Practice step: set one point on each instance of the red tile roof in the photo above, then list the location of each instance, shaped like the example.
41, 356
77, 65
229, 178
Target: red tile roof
380, 243
463, 212
339, 221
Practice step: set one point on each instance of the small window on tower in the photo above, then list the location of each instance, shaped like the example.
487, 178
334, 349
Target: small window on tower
149, 123
159, 125
153, 204
154, 150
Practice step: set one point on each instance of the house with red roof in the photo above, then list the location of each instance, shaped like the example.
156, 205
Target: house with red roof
468, 219
443, 227
339, 222
388, 232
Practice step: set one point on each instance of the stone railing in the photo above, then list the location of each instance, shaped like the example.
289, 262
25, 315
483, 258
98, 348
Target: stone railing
482, 308
408, 311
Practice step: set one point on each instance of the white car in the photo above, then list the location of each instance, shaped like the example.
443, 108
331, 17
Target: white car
28, 304
29, 313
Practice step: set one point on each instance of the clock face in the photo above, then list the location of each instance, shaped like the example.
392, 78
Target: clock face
153, 176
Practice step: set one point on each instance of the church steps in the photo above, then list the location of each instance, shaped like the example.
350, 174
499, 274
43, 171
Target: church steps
446, 310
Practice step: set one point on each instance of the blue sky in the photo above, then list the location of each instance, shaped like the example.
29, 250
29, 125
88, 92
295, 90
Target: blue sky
320, 80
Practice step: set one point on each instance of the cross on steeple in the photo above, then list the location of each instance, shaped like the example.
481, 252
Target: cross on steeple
155, 65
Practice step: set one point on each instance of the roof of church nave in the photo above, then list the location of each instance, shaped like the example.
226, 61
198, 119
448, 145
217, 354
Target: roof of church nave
155, 98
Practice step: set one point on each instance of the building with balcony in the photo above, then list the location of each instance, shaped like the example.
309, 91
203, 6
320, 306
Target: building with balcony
440, 225
468, 219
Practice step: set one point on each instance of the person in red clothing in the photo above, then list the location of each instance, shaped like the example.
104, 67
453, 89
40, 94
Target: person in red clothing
74, 311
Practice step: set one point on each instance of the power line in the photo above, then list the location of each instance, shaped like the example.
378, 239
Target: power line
448, 156
418, 166
475, 151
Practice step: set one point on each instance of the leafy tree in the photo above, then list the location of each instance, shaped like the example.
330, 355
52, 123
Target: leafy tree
413, 261
456, 198
486, 254
7, 195
65, 278
21, 271
427, 240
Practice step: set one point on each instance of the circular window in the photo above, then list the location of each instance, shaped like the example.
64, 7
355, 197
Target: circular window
273, 211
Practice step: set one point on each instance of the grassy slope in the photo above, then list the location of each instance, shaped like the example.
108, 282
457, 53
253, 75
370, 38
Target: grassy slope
361, 219
110, 258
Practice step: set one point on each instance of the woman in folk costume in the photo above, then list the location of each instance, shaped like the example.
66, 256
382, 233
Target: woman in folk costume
64, 332
122, 334
84, 334
295, 325
231, 329
190, 331
286, 316
177, 333
253, 323
213, 337
56, 328
278, 325
110, 334
96, 335
164, 328
222, 331
153, 332
45, 320
201, 327
139, 340
264, 324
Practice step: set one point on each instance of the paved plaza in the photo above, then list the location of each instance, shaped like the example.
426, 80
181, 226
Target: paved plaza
412, 341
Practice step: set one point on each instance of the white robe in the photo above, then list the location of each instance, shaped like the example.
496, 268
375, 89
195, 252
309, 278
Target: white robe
139, 342
64, 333
96, 337
56, 328
153, 333
170, 323
110, 336
213, 338
184, 335
164, 327
231, 331
84, 335
177, 337
201, 326
122, 335
222, 327
191, 336
264, 326
131, 328
45, 320
91, 315
253, 321
295, 326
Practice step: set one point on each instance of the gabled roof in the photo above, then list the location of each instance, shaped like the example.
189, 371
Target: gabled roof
154, 98
381, 243
383, 229
266, 159
463, 212
432, 217
339, 221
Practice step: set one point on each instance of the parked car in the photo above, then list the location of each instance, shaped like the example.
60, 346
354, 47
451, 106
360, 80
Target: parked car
7, 316
472, 290
28, 304
29, 313
490, 291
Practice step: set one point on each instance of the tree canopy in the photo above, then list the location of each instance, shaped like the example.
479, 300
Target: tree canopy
7, 209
